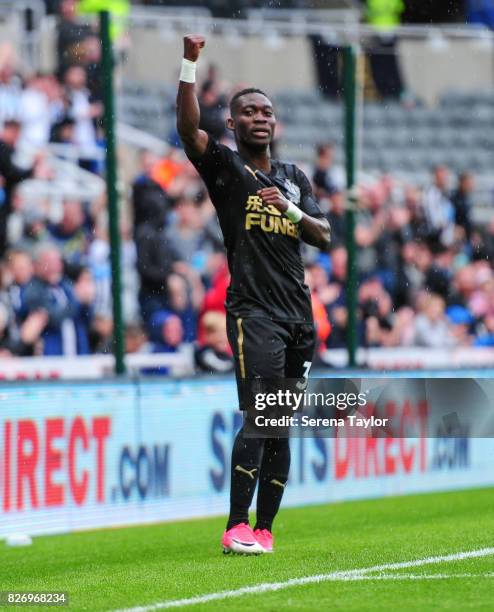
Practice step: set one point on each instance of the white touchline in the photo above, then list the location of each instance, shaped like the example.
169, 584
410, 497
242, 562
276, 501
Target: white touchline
356, 577
355, 574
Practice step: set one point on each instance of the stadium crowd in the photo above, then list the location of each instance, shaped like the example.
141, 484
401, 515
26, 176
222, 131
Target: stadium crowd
425, 272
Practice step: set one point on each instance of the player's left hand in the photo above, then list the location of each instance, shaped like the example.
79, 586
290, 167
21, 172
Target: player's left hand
272, 195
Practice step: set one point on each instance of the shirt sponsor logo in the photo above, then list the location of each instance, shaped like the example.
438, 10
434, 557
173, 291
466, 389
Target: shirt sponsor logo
268, 218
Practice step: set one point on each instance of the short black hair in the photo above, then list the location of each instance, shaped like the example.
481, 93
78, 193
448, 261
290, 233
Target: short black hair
243, 92
322, 147
12, 123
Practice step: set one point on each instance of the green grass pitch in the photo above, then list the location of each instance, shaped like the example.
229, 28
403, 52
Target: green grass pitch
139, 566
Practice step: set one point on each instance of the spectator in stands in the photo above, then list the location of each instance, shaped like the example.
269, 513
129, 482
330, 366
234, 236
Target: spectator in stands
155, 259
374, 300
439, 274
68, 307
438, 209
84, 113
408, 277
463, 286
396, 232
462, 202
422, 262
98, 261
215, 297
119, 11
11, 174
213, 236
413, 205
403, 332
371, 222
486, 335
337, 218
20, 270
333, 296
337, 280
20, 341
41, 105
62, 131
483, 242
166, 331
384, 16
324, 292
480, 12
185, 235
462, 324
175, 175
325, 184
432, 328
481, 300
212, 106
84, 292
10, 84
34, 230
35, 113
214, 354
72, 235
327, 60
166, 335
148, 196
71, 36
55, 93
185, 298
376, 312
92, 63
130, 277
101, 334
321, 320
338, 317
136, 339
19, 334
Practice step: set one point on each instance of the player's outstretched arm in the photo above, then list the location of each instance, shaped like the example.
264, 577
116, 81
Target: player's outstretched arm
194, 140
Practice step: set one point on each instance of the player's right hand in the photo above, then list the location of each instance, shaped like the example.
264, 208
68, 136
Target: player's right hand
193, 43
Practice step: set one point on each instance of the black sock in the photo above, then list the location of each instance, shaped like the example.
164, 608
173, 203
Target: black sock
246, 459
272, 480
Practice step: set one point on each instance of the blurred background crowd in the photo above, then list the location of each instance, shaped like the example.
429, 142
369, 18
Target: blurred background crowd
425, 265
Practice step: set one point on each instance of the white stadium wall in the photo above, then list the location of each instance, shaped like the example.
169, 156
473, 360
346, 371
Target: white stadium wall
86, 455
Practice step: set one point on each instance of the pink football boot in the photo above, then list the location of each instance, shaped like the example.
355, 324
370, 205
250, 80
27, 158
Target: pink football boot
265, 539
241, 539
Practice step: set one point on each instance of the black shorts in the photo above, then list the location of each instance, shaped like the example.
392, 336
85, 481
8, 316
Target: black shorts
268, 350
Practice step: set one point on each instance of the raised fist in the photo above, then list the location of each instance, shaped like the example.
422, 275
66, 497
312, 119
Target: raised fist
193, 43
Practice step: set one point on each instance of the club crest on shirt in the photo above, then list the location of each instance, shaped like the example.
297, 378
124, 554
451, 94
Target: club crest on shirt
292, 191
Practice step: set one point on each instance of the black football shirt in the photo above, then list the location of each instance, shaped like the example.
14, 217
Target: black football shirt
262, 244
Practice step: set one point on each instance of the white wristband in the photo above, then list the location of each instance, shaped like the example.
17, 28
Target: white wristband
294, 213
188, 71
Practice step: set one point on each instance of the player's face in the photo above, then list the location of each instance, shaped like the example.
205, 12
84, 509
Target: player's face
254, 121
